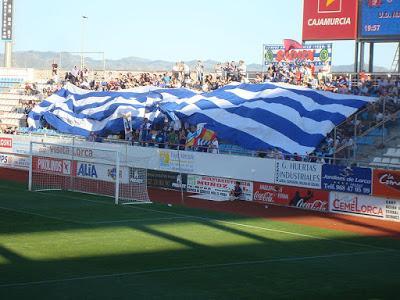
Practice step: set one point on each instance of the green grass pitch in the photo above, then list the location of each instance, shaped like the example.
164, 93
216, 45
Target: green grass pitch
59, 245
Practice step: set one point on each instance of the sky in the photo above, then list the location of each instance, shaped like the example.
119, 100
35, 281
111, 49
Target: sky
169, 30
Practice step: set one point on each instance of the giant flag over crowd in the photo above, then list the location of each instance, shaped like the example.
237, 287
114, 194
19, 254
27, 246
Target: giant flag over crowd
254, 116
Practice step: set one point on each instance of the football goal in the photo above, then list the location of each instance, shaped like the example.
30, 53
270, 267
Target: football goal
87, 170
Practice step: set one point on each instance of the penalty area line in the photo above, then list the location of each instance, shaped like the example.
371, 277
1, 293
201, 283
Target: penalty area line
39, 215
137, 220
92, 223
193, 267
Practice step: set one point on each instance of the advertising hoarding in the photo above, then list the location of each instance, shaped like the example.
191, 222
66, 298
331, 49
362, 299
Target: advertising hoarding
346, 179
61, 151
6, 142
176, 161
14, 161
217, 186
297, 173
137, 176
102, 172
52, 165
291, 196
166, 180
386, 183
367, 206
320, 55
328, 20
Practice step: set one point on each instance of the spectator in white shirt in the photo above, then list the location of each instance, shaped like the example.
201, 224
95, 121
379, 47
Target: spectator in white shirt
186, 70
199, 71
214, 147
242, 69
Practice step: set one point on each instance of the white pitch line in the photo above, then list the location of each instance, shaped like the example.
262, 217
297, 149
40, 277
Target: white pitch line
39, 215
244, 225
193, 267
309, 236
91, 223
137, 220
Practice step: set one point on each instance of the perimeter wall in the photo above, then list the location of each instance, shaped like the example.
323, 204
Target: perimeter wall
357, 191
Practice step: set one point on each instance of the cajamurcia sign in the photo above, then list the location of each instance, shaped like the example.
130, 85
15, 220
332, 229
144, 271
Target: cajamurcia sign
328, 20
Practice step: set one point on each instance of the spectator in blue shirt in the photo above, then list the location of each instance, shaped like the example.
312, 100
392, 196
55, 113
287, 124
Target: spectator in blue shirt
236, 192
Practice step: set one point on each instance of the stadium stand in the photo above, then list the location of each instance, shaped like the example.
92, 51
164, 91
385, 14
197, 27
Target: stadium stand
15, 104
365, 129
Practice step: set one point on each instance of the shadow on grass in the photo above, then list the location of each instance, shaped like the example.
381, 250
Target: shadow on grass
273, 212
204, 255
257, 269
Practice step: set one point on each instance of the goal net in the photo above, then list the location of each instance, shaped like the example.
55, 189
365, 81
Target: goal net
87, 170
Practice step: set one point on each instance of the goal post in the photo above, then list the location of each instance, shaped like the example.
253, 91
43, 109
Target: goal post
87, 170
117, 178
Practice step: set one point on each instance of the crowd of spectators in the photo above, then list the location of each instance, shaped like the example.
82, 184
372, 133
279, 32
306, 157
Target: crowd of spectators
169, 135
385, 112
305, 74
181, 75
31, 89
8, 129
386, 88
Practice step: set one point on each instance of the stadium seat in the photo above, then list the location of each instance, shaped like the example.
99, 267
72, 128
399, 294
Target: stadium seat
391, 152
395, 161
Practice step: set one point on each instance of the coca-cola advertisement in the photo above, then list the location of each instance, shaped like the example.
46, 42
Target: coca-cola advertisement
291, 196
386, 183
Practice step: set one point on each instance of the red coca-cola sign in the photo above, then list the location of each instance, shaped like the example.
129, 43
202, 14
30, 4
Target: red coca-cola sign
386, 183
291, 196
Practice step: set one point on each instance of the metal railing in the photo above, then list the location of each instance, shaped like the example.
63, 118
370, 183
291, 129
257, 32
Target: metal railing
129, 146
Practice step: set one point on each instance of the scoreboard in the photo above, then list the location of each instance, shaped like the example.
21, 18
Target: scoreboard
379, 19
7, 25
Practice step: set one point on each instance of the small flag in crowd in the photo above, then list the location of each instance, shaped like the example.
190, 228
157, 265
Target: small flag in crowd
201, 137
291, 44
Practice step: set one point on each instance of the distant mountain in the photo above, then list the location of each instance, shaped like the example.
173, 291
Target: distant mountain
350, 68
66, 61
43, 60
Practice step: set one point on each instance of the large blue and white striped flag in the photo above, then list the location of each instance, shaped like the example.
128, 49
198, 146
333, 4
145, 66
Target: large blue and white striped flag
255, 116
